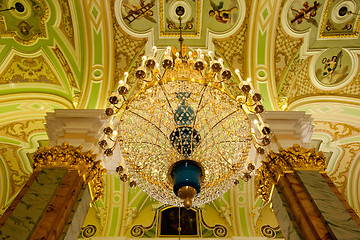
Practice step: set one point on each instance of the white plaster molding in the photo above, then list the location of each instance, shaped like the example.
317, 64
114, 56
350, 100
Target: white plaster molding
81, 127
75, 126
290, 127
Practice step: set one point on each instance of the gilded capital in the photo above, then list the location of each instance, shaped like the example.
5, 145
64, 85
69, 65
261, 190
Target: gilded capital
289, 159
72, 158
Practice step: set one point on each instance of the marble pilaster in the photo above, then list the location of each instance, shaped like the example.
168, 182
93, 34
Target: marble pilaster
28, 212
336, 218
73, 225
284, 216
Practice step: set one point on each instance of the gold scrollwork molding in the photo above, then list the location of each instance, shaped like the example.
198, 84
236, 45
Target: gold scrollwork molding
289, 159
268, 231
72, 158
138, 230
336, 130
219, 230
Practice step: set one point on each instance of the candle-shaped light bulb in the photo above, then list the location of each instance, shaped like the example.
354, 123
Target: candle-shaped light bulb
256, 122
143, 60
237, 72
126, 74
168, 49
261, 121
111, 122
156, 69
114, 133
250, 83
198, 52
177, 54
211, 55
123, 87
154, 50
221, 61
190, 60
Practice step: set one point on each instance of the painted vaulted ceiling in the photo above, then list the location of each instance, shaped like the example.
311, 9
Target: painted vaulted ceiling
69, 54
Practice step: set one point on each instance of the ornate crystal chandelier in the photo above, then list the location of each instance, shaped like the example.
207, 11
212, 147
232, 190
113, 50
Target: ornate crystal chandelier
183, 138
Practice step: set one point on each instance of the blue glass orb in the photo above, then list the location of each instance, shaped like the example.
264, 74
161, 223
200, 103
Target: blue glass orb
186, 173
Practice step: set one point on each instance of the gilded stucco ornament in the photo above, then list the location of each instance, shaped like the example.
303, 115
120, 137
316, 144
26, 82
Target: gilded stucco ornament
72, 158
289, 159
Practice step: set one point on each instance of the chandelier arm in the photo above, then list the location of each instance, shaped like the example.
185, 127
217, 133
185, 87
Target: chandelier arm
150, 123
217, 124
112, 147
256, 140
122, 104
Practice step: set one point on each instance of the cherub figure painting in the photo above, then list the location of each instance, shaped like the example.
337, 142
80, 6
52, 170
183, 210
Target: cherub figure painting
333, 72
221, 15
308, 13
330, 65
136, 11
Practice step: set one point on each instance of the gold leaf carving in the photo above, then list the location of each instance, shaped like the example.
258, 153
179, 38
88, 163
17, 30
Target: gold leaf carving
289, 159
72, 158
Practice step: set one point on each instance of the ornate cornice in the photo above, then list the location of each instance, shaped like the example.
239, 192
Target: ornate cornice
72, 158
290, 159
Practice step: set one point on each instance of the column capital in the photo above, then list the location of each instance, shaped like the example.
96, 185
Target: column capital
290, 159
75, 126
73, 158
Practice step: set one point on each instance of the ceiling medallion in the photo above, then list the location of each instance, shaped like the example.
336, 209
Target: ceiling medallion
24, 20
183, 138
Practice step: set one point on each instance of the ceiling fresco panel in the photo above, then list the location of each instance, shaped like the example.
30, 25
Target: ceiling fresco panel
323, 66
